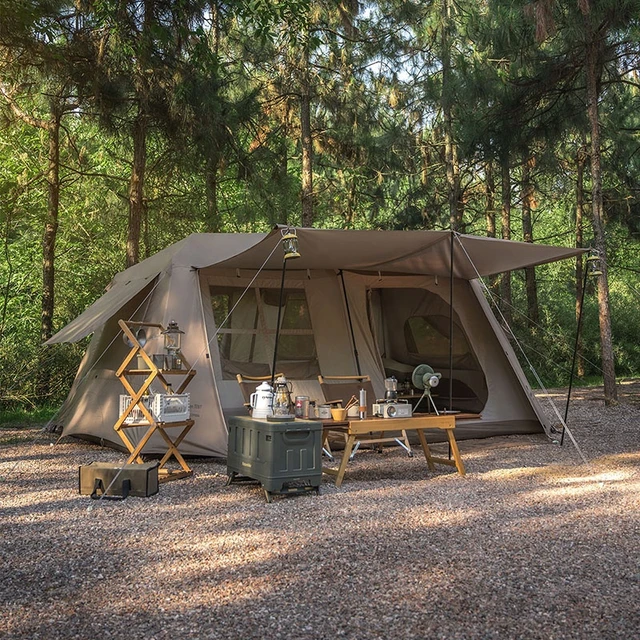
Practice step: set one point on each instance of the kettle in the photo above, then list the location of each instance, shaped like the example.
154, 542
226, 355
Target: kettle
261, 401
391, 389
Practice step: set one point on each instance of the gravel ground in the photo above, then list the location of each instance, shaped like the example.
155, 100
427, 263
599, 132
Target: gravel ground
532, 543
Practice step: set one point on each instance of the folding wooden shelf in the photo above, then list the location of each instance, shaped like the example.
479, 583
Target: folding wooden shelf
152, 373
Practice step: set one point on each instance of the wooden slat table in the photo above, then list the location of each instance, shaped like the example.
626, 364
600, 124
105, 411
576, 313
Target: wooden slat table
371, 429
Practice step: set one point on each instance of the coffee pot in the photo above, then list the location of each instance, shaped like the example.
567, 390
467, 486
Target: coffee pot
261, 401
391, 389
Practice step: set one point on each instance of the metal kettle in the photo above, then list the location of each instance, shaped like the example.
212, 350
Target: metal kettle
261, 401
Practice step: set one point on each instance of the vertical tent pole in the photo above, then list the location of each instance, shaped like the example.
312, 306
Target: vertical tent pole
451, 330
353, 337
275, 346
451, 326
575, 348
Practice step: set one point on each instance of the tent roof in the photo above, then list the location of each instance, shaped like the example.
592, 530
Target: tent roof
400, 252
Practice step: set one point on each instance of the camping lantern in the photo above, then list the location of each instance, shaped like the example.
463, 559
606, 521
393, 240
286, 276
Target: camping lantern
172, 344
290, 244
172, 337
593, 264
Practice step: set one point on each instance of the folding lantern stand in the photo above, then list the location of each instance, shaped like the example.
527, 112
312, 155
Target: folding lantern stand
152, 373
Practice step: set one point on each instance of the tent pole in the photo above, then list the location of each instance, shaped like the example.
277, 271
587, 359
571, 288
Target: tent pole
575, 347
451, 326
353, 337
275, 346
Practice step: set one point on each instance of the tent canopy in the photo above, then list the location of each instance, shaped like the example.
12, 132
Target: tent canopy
385, 252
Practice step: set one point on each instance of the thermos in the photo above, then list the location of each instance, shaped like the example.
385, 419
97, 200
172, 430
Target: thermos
363, 404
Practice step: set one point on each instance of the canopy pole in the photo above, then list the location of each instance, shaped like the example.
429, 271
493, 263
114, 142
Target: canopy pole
275, 346
575, 349
451, 325
353, 337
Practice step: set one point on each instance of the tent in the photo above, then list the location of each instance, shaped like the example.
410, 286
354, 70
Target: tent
370, 302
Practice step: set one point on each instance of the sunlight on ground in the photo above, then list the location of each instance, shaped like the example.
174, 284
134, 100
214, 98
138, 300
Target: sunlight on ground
611, 476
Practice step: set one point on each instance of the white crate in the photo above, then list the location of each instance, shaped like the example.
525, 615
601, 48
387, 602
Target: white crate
164, 408
171, 407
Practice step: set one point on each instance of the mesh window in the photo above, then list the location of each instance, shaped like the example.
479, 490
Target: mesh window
246, 338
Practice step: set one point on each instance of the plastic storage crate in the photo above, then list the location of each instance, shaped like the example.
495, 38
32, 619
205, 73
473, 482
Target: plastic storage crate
285, 457
164, 407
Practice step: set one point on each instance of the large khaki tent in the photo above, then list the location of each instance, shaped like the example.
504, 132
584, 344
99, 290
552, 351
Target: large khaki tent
370, 302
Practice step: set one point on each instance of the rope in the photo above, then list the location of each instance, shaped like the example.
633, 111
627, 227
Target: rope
524, 355
224, 322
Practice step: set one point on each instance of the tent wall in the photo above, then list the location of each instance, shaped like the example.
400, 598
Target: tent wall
92, 407
509, 404
167, 287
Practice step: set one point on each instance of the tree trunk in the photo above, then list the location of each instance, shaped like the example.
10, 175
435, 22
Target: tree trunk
505, 278
306, 142
136, 187
490, 200
49, 246
211, 186
214, 32
580, 165
450, 150
606, 341
528, 204
51, 226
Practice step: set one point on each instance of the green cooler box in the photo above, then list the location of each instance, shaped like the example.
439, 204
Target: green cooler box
285, 457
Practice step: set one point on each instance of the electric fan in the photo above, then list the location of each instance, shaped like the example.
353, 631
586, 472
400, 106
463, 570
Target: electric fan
425, 378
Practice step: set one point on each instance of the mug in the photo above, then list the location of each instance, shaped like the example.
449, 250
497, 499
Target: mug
324, 412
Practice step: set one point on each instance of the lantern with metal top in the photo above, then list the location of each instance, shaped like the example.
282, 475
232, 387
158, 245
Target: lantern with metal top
173, 344
290, 244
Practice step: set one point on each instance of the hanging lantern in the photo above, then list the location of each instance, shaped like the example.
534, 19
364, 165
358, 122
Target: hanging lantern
172, 337
593, 265
290, 244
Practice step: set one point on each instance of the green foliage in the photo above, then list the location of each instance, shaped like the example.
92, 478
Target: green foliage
223, 149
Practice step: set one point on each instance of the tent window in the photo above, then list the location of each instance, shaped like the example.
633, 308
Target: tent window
246, 340
430, 336
413, 327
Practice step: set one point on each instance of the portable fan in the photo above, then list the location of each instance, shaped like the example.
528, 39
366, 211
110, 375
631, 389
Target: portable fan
425, 378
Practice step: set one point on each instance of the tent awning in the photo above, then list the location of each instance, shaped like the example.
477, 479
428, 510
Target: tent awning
412, 252
100, 311
400, 252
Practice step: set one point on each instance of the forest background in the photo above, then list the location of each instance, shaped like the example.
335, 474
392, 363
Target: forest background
127, 125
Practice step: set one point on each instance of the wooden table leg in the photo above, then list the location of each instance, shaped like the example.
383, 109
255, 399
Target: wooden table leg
348, 446
456, 452
425, 448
